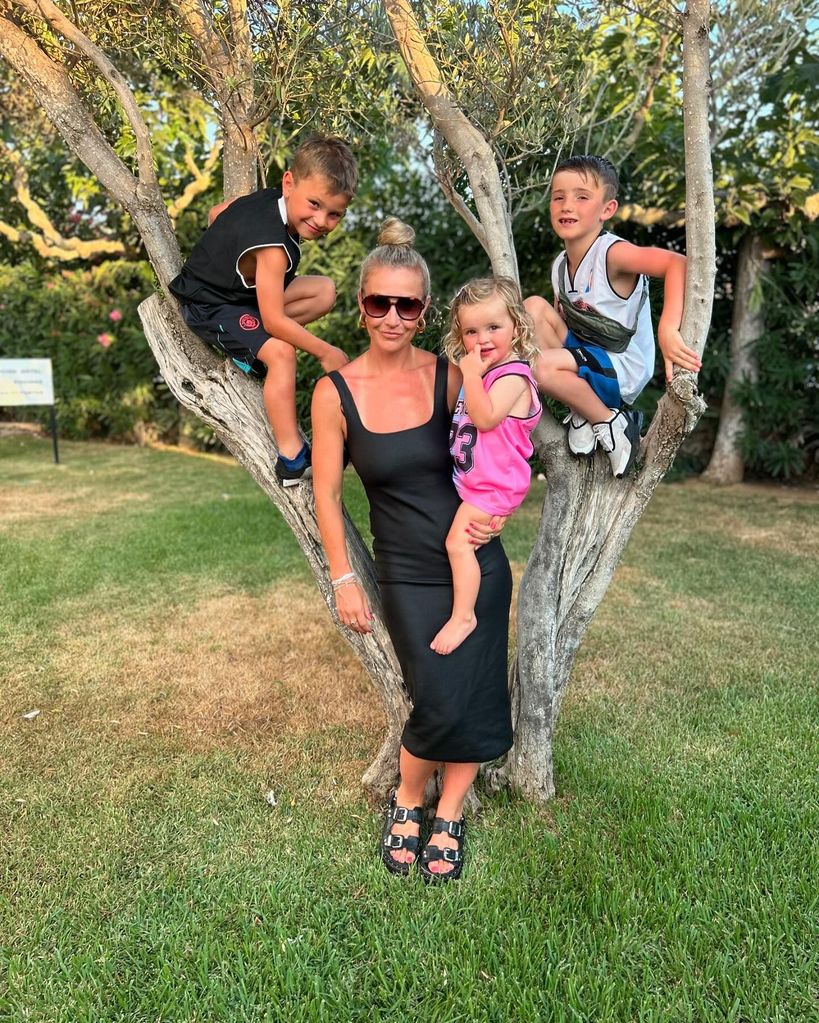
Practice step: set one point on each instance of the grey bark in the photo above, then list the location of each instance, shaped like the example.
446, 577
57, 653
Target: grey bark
747, 326
228, 68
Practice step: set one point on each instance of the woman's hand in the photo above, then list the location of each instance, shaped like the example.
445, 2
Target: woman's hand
353, 609
481, 533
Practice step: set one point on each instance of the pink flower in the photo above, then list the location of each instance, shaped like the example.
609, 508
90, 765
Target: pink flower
104, 339
50, 285
115, 316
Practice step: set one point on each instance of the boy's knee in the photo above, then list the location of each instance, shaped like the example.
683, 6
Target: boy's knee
325, 294
277, 354
544, 373
536, 306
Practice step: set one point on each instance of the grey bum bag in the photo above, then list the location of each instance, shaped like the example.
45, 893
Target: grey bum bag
595, 328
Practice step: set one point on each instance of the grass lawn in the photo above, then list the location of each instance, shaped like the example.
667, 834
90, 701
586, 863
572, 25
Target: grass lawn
160, 617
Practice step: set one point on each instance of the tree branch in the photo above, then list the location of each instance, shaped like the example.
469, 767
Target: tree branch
230, 77
58, 21
59, 99
641, 115
469, 144
49, 243
202, 180
444, 179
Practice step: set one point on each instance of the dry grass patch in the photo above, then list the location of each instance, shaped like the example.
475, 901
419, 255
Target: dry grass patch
32, 503
759, 515
248, 667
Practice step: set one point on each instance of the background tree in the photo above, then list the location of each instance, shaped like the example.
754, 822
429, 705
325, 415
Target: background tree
764, 134
588, 516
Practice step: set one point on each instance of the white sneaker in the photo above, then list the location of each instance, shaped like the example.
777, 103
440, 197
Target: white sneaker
620, 439
582, 440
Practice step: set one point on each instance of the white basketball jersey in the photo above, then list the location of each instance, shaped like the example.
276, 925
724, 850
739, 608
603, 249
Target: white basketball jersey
591, 288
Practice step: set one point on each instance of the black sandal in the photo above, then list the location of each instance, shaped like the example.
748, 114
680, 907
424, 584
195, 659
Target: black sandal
431, 852
389, 842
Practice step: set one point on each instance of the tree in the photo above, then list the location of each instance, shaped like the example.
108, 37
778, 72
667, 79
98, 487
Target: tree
769, 196
588, 516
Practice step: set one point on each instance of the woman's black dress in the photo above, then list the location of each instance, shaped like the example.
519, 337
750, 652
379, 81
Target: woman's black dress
461, 710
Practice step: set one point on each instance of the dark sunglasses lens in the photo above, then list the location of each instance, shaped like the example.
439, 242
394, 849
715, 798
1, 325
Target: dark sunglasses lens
409, 308
379, 305
376, 305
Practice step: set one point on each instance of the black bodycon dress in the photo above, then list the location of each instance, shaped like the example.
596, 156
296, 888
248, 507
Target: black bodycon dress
460, 702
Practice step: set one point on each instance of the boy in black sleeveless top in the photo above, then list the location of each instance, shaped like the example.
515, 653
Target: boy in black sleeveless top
239, 289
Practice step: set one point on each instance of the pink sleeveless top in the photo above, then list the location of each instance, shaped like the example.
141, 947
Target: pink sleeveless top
491, 467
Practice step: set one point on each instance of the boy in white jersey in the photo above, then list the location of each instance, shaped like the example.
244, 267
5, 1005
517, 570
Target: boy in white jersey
597, 341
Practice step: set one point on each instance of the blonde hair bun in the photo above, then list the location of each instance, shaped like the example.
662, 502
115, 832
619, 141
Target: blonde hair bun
395, 232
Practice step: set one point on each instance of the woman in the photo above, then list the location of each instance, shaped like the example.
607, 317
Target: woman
392, 406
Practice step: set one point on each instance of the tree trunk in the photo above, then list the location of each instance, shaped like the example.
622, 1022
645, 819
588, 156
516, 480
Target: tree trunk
493, 225
747, 326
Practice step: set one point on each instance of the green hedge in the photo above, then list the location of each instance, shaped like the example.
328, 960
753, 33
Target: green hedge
106, 381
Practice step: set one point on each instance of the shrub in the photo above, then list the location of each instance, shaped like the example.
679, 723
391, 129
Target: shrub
105, 379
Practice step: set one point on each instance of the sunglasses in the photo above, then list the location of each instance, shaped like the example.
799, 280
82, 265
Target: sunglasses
379, 305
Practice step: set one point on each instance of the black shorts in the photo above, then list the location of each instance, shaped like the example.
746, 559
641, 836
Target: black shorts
237, 330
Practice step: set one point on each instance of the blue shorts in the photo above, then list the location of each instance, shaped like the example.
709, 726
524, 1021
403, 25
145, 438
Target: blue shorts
236, 330
594, 366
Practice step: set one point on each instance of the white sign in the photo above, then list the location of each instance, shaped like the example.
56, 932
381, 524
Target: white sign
26, 382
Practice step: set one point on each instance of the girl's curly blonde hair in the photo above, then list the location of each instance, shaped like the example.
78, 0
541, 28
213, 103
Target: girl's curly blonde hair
479, 290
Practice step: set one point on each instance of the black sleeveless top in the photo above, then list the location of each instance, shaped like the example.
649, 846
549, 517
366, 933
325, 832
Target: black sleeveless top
408, 479
211, 275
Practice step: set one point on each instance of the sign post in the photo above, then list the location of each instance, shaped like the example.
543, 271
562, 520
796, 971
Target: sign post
29, 382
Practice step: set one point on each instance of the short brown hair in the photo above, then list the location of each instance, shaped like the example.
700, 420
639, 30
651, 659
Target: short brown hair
331, 158
479, 290
602, 171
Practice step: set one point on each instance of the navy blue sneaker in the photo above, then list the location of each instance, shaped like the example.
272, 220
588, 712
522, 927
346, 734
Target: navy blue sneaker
288, 477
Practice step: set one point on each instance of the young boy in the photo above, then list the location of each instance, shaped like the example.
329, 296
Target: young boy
597, 342
239, 288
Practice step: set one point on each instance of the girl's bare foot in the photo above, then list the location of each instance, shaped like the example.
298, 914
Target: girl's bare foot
453, 634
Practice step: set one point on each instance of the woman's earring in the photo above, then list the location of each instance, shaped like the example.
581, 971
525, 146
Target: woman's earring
361, 322
422, 325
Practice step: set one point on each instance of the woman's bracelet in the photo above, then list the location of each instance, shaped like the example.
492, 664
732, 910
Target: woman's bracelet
342, 580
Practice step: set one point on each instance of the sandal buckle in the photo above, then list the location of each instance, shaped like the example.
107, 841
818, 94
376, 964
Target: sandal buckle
455, 829
394, 842
400, 814
451, 855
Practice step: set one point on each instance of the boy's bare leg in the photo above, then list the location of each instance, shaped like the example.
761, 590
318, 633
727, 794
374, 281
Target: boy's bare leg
306, 299
556, 374
550, 329
279, 394
415, 773
466, 580
457, 780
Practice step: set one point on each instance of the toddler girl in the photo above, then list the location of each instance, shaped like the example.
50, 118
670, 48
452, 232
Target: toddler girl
491, 339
